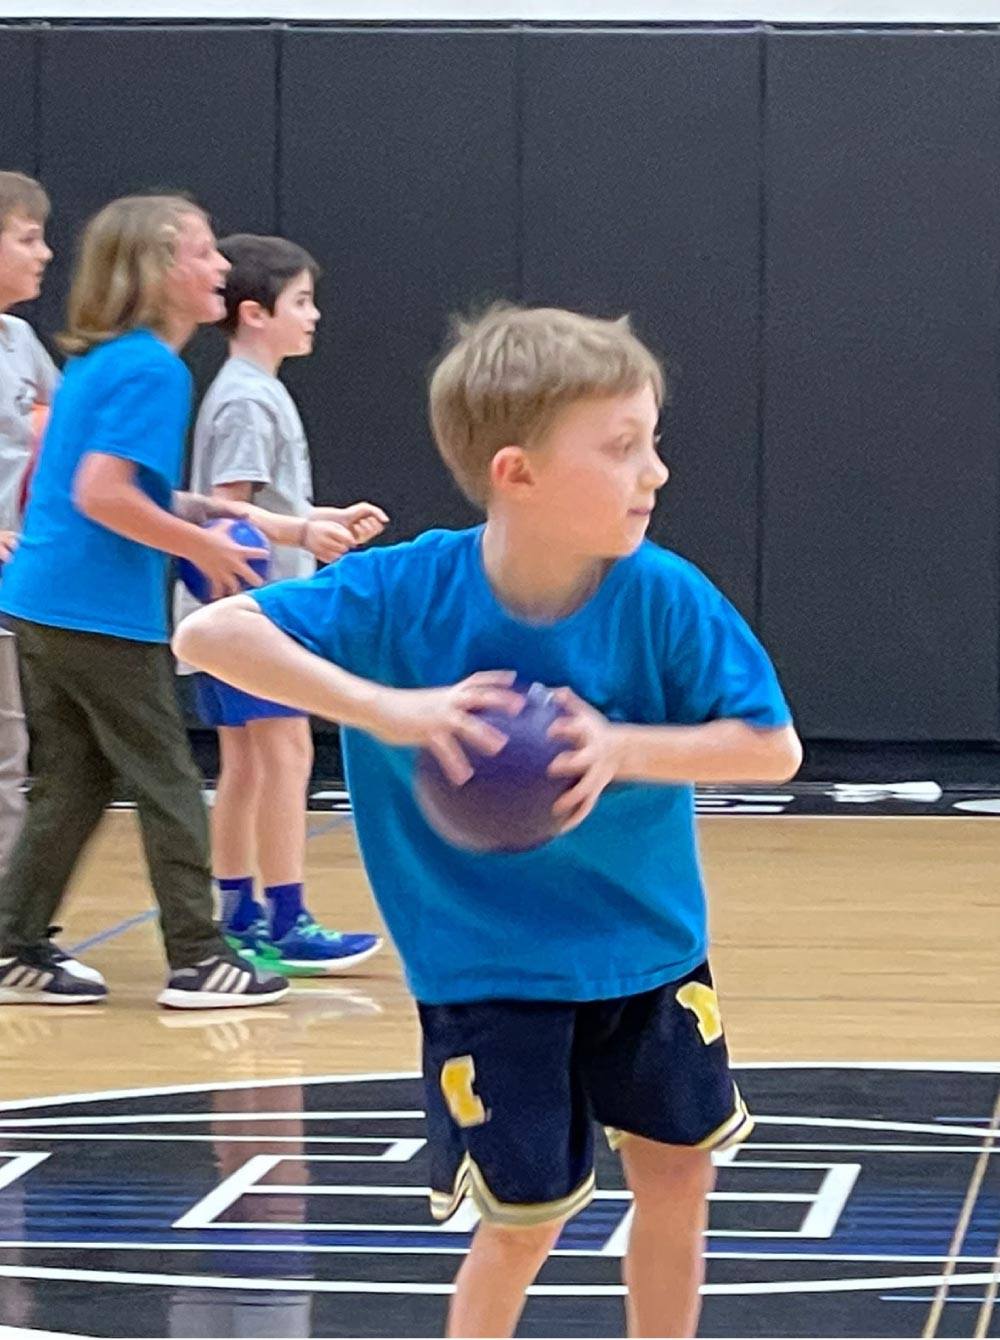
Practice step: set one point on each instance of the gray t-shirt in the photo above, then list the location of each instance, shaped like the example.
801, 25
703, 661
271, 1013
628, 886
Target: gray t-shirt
28, 377
249, 431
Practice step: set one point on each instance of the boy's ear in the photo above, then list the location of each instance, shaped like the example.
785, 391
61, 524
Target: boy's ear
252, 314
510, 469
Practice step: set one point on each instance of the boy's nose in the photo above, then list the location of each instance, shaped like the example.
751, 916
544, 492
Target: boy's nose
657, 473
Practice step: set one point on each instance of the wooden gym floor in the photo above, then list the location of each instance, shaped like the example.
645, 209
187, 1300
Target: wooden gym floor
834, 939
866, 1202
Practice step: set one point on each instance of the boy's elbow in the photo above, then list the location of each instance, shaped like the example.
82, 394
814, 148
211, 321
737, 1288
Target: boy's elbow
784, 755
90, 490
214, 635
191, 636
85, 498
96, 499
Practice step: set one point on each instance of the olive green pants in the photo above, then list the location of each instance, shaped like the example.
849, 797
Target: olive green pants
99, 708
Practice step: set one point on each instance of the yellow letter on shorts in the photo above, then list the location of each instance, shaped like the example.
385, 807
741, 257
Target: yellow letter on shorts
703, 1003
464, 1103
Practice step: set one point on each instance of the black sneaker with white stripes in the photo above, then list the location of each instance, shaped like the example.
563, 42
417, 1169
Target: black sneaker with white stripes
80, 969
220, 982
44, 975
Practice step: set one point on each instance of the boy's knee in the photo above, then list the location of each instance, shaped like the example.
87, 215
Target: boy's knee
239, 765
284, 745
241, 772
675, 1171
520, 1242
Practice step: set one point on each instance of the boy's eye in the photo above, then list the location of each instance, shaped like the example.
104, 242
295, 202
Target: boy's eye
629, 444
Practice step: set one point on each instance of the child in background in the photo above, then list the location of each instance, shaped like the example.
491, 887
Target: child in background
28, 379
85, 595
249, 445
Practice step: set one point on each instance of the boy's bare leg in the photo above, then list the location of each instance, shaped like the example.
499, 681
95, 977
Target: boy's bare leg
234, 814
489, 1288
665, 1264
283, 750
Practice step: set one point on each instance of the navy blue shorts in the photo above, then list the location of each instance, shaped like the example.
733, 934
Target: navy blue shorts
513, 1088
219, 704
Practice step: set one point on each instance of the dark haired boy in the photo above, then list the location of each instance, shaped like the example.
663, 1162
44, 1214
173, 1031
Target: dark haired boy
250, 446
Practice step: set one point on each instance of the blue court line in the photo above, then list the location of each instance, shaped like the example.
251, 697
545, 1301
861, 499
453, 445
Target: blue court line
925, 1298
335, 821
112, 931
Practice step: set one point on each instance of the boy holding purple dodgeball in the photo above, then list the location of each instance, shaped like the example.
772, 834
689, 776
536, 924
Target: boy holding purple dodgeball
570, 982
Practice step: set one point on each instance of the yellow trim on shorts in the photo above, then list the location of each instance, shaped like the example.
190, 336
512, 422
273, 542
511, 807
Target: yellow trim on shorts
445, 1203
469, 1180
733, 1131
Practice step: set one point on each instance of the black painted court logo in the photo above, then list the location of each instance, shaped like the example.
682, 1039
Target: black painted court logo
866, 1202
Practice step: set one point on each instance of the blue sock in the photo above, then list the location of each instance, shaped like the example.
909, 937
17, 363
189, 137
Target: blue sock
284, 903
239, 910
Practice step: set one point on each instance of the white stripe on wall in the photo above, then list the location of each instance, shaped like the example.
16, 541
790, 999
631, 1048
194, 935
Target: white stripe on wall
512, 11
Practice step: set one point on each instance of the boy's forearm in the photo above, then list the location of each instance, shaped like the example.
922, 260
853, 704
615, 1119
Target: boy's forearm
235, 641
197, 508
718, 751
279, 528
128, 511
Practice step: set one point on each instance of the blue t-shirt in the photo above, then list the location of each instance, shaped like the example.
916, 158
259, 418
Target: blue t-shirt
614, 907
130, 398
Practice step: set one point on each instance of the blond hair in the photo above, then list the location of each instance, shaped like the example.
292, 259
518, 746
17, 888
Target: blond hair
124, 255
509, 372
18, 192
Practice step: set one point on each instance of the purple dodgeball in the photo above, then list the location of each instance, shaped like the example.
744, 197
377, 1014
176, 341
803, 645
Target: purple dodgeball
506, 805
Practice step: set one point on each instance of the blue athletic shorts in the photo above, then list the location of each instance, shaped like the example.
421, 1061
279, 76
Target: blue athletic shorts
513, 1088
219, 704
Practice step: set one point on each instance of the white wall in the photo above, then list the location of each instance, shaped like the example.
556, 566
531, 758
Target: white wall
584, 11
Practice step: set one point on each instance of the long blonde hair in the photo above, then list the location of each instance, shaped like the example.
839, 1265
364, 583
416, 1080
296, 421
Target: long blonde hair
124, 255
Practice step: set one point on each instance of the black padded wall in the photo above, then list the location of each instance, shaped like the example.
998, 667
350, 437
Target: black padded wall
882, 427
139, 109
807, 225
398, 171
18, 107
18, 54
641, 194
